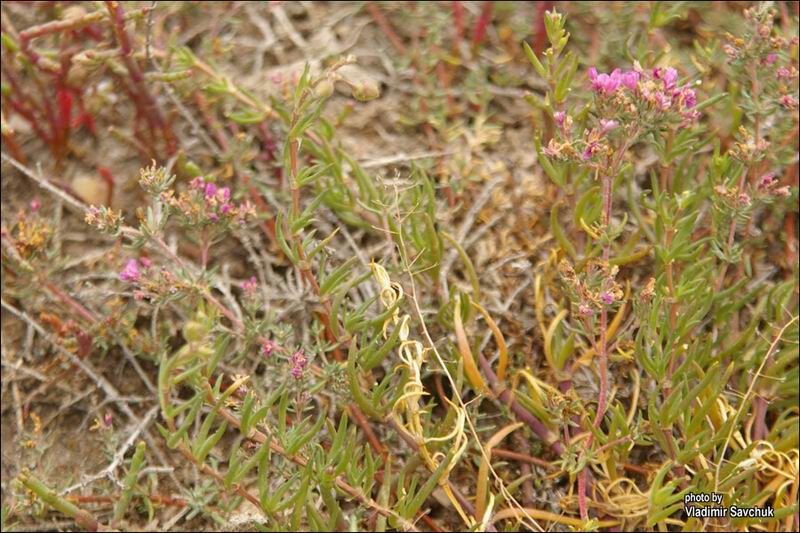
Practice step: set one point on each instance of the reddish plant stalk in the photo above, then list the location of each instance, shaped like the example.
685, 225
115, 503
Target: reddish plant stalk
505, 396
146, 103
387, 29
601, 346
458, 23
482, 24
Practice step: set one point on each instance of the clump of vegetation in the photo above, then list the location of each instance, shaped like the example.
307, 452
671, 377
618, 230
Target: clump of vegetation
566, 298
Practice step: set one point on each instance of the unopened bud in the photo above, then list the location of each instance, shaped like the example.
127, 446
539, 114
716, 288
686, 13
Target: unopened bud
366, 90
194, 331
324, 88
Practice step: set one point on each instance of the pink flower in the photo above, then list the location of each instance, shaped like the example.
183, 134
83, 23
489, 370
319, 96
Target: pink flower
590, 150
771, 58
268, 347
788, 101
630, 79
661, 100
783, 72
559, 117
689, 96
585, 310
605, 83
146, 263
197, 183
130, 272
766, 181
299, 359
550, 151
210, 190
226, 194
607, 298
298, 362
782, 191
670, 77
607, 125
249, 287
744, 199
35, 204
225, 208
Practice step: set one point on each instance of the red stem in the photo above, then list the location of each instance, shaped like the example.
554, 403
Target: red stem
482, 24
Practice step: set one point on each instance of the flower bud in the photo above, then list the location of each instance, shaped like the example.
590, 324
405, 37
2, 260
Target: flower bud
366, 90
324, 88
194, 331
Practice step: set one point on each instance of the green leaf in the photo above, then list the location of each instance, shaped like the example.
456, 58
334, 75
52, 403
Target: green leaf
534, 61
247, 116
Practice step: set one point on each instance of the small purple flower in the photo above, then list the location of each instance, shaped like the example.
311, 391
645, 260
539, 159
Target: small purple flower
226, 194
249, 287
783, 73
590, 150
213, 217
297, 372
210, 190
605, 83
145, 261
299, 359
670, 78
771, 58
630, 79
225, 208
689, 96
267, 348
607, 125
35, 204
559, 117
607, 298
197, 183
788, 101
766, 181
130, 272
108, 419
585, 310
744, 199
662, 101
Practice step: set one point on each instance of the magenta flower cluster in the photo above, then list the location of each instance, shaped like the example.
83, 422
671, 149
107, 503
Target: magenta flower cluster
206, 202
767, 185
149, 281
217, 199
298, 361
249, 287
609, 83
131, 271
659, 88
